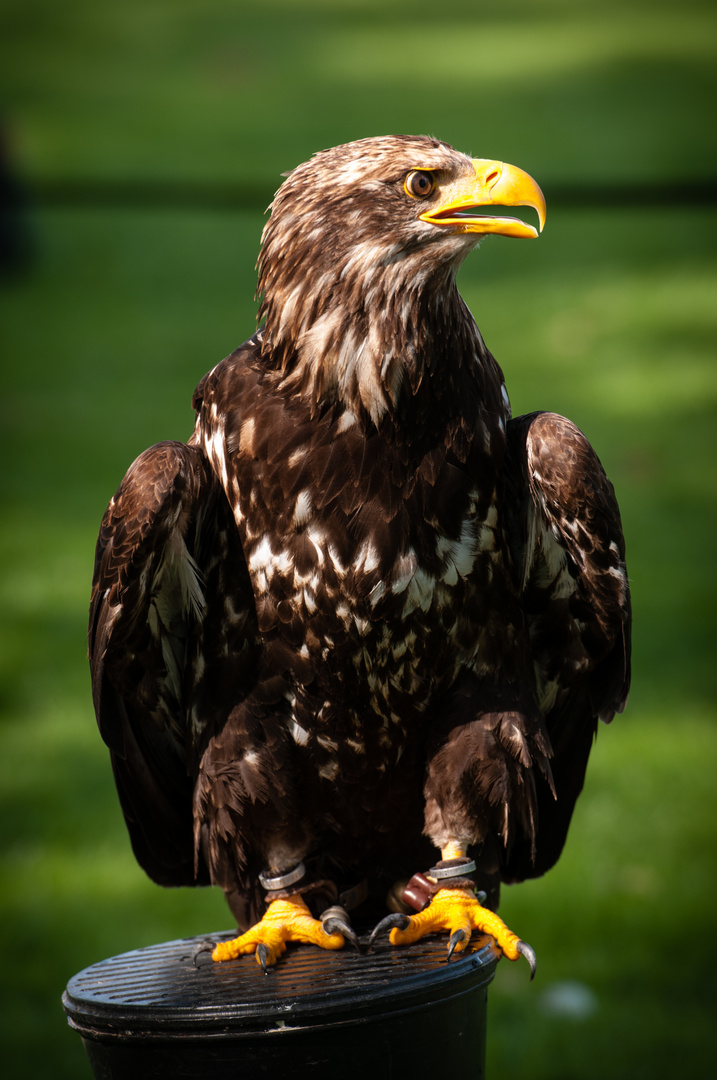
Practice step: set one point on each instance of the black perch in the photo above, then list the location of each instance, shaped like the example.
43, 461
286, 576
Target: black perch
169, 1011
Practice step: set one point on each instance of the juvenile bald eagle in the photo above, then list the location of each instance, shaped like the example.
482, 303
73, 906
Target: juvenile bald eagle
363, 617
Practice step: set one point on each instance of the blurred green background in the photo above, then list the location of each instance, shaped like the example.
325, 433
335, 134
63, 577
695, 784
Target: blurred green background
149, 136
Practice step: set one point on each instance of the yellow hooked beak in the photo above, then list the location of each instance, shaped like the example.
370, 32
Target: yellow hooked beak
494, 183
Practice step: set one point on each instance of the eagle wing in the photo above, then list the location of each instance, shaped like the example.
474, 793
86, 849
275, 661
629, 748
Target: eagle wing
171, 635
569, 553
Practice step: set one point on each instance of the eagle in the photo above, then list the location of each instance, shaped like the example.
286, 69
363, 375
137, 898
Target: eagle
352, 640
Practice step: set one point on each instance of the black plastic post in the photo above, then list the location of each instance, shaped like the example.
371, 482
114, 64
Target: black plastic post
395, 1012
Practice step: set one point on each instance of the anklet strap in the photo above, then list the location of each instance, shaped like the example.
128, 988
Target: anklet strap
282, 881
452, 868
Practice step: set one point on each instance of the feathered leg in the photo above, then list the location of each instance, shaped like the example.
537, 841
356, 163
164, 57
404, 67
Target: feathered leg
479, 791
245, 810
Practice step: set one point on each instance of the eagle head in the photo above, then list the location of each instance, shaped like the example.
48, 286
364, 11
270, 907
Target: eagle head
359, 257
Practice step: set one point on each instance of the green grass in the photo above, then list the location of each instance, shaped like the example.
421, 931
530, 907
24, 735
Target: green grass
229, 90
609, 318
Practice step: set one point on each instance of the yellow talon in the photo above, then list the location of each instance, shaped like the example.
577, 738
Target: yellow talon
456, 910
284, 920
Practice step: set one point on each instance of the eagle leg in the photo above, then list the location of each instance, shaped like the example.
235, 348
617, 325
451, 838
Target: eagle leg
458, 912
285, 920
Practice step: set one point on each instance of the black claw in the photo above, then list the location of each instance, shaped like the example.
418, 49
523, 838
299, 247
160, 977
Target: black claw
456, 936
525, 950
263, 953
338, 926
203, 947
397, 919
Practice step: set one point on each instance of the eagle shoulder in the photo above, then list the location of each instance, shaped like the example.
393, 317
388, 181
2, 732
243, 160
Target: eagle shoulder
569, 551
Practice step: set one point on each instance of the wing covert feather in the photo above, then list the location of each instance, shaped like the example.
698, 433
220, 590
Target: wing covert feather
569, 554
167, 557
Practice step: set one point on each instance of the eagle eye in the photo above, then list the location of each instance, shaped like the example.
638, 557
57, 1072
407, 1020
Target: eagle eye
419, 184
